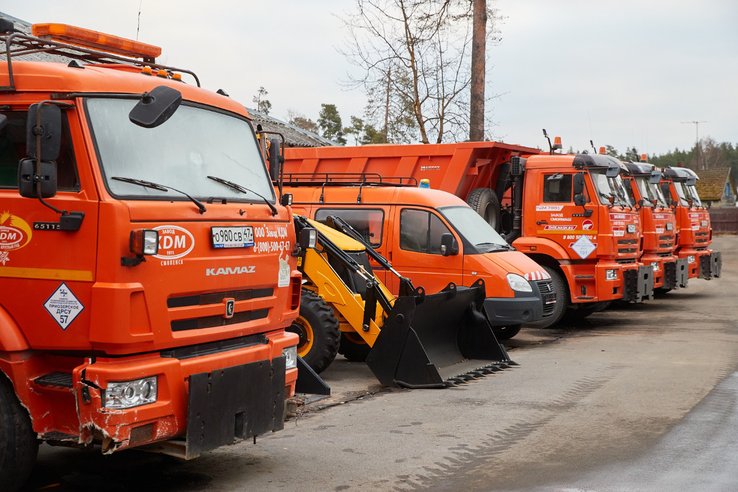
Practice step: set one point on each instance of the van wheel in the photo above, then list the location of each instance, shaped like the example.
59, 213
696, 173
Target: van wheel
353, 347
561, 289
18, 445
317, 328
485, 202
506, 332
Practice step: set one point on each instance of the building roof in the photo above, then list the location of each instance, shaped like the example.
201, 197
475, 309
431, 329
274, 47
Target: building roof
711, 184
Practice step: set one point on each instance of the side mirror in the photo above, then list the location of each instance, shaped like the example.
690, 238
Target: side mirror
580, 199
612, 172
43, 126
27, 178
449, 246
286, 200
655, 177
155, 107
275, 158
578, 183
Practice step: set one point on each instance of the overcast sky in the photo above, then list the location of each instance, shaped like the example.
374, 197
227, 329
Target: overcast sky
621, 72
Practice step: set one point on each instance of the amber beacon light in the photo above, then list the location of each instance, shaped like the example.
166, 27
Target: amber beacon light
88, 38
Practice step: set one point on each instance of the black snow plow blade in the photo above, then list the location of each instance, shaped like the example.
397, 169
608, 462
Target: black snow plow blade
437, 340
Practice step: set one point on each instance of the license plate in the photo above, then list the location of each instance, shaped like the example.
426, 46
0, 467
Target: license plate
232, 237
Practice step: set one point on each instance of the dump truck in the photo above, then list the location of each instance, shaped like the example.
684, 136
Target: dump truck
659, 224
414, 340
146, 266
693, 223
569, 213
408, 225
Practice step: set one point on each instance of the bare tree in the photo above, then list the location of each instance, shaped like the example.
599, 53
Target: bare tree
415, 58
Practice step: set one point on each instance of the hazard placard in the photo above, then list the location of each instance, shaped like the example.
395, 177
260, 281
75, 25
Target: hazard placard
63, 306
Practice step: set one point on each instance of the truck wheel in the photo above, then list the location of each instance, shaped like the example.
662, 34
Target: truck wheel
18, 445
584, 311
353, 347
561, 288
485, 202
317, 328
506, 332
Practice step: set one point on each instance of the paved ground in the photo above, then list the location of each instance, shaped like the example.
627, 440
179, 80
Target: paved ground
639, 397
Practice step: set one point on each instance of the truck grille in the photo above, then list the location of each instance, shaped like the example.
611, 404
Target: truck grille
666, 241
217, 298
627, 246
548, 296
701, 237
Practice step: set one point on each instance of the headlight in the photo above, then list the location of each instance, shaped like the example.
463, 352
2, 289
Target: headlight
690, 258
655, 265
611, 274
518, 283
669, 226
129, 394
704, 223
631, 228
144, 242
290, 356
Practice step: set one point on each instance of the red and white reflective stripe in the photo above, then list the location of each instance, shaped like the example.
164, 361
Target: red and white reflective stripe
537, 275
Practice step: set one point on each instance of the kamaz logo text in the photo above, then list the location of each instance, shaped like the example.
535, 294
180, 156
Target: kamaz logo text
212, 272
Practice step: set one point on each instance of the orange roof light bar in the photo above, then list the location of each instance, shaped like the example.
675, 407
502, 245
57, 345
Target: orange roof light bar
557, 143
88, 38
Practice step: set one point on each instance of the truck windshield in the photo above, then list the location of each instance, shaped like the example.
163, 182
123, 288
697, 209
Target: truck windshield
472, 227
193, 144
610, 187
650, 192
692, 191
684, 195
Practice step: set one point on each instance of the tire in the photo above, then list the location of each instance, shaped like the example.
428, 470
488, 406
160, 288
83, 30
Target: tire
584, 311
18, 445
353, 347
485, 202
506, 332
561, 287
317, 327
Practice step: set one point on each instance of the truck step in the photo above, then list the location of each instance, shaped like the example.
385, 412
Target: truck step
56, 378
584, 276
585, 298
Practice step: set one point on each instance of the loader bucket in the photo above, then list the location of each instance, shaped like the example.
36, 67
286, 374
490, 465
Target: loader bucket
437, 340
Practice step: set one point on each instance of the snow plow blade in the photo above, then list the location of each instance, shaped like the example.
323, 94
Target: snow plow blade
437, 340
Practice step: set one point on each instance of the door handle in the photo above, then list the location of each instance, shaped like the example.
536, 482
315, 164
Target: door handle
541, 222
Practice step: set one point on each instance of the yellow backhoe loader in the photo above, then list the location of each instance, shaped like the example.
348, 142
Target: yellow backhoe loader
415, 340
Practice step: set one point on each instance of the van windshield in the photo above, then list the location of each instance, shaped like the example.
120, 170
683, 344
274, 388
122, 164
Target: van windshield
193, 144
472, 227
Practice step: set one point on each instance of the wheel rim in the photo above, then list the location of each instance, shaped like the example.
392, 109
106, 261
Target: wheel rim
302, 328
354, 338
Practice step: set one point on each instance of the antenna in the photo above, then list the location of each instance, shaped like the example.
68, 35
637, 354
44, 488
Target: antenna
696, 138
138, 24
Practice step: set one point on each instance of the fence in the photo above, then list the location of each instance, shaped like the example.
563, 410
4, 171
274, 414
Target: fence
724, 220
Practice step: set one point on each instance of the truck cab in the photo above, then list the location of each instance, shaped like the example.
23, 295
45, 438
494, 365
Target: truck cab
144, 299
659, 225
579, 222
693, 223
434, 238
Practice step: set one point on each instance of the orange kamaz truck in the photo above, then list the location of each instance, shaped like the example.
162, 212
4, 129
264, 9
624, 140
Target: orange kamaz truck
146, 274
659, 224
570, 213
693, 223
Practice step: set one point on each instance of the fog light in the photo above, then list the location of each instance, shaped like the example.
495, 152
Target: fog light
129, 394
611, 274
631, 228
290, 356
655, 265
690, 258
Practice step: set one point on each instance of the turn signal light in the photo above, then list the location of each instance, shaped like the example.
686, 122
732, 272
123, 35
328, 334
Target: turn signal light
88, 38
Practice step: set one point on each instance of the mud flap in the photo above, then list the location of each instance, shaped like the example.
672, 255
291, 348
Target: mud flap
710, 266
676, 274
234, 403
444, 339
638, 284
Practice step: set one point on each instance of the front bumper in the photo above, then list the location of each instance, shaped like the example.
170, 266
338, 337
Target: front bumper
711, 265
524, 308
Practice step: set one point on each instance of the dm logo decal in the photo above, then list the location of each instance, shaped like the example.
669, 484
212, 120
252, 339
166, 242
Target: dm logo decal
14, 232
174, 242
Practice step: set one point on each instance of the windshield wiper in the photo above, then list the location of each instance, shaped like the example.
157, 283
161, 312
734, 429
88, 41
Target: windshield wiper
494, 246
244, 190
160, 187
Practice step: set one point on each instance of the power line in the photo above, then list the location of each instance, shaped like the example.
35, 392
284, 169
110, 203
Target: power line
696, 138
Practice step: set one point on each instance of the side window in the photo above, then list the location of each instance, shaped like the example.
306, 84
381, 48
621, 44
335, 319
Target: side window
13, 149
368, 222
557, 188
421, 231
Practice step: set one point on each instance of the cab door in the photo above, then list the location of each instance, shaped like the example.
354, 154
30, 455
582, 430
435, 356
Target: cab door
417, 252
559, 219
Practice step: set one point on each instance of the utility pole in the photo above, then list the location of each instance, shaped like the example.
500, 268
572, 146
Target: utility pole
479, 47
696, 138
